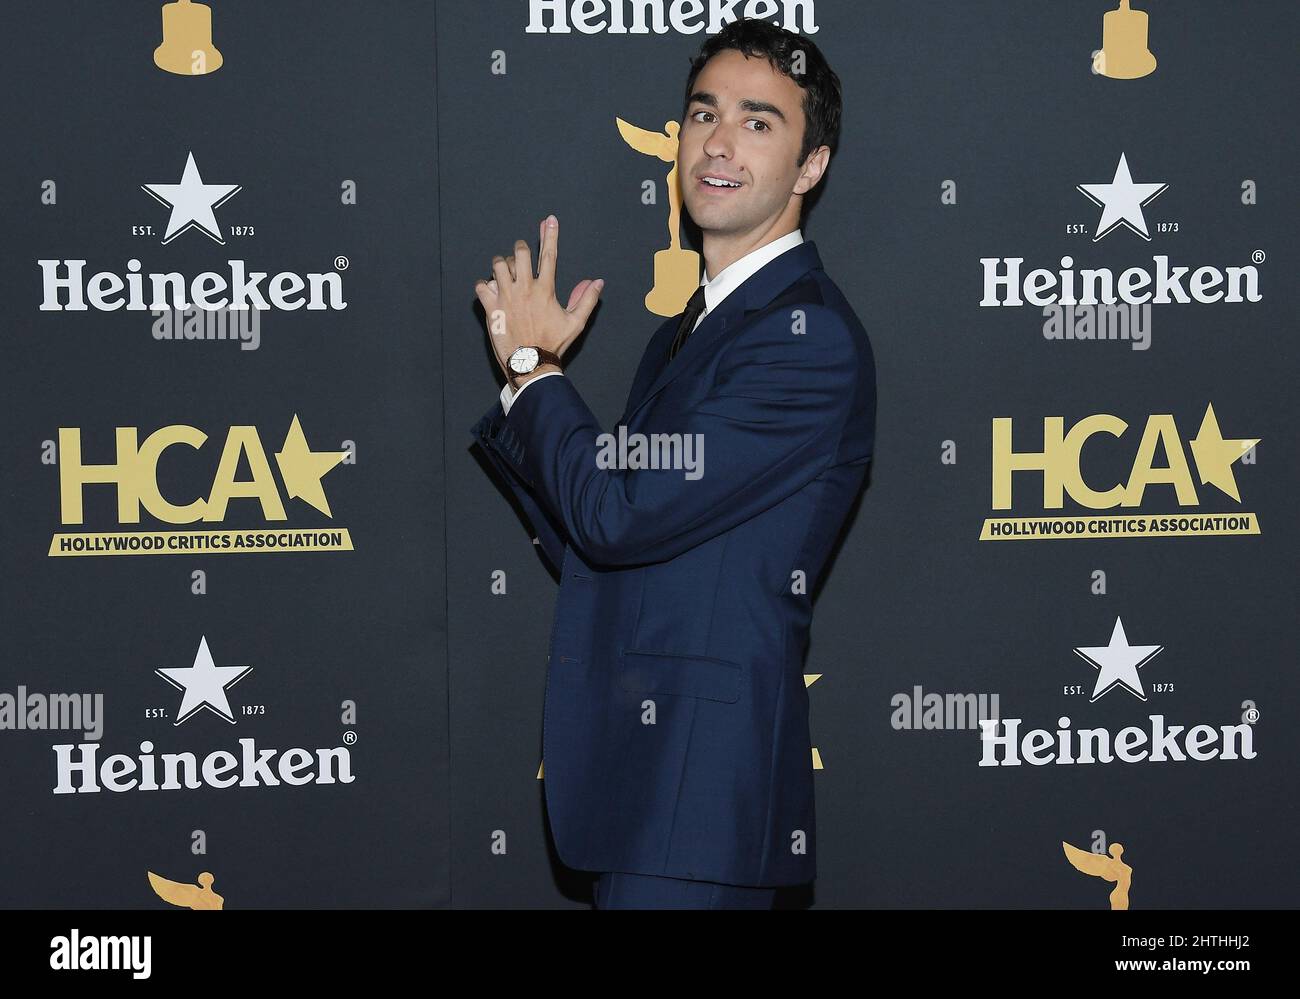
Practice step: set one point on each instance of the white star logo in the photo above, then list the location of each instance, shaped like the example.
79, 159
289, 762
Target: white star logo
192, 202
1118, 663
1121, 201
204, 684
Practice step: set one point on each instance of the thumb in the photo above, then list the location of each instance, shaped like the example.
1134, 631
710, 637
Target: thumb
583, 300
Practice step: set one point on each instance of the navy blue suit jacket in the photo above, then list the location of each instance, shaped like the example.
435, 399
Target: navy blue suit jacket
675, 732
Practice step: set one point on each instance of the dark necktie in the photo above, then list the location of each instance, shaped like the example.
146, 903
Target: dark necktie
693, 309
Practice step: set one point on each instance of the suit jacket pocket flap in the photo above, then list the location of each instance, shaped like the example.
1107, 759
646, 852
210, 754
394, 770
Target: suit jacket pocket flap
673, 673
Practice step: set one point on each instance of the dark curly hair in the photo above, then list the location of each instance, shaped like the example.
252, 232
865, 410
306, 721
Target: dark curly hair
821, 87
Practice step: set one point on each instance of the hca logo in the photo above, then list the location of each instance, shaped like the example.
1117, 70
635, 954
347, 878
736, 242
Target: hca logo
134, 476
1060, 464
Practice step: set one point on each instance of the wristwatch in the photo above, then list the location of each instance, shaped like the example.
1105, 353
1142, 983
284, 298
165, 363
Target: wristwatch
525, 360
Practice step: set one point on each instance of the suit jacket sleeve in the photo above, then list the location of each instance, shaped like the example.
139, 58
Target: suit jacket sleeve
769, 425
551, 538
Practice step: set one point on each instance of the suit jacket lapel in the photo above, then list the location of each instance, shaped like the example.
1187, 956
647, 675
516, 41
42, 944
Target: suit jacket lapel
652, 362
754, 292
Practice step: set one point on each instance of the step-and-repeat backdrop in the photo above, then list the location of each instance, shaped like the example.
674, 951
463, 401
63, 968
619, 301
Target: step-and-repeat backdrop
275, 636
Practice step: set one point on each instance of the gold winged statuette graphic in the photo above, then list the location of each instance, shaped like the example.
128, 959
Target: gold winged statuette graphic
1124, 54
186, 896
187, 48
1110, 868
677, 270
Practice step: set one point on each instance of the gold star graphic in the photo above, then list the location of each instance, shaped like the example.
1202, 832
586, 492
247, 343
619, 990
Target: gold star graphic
302, 468
1214, 455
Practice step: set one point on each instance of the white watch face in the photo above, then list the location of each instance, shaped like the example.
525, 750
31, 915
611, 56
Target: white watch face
523, 360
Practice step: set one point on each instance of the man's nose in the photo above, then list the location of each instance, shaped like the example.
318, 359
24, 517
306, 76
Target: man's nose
720, 142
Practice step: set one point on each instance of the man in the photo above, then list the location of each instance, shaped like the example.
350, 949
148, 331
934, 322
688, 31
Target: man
676, 751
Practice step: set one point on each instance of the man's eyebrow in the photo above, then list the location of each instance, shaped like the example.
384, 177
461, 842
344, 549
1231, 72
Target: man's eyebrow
761, 107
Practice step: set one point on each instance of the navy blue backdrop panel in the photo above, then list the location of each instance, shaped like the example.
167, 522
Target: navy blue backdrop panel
981, 143
224, 527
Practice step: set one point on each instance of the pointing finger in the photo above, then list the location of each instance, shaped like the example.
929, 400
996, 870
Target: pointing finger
550, 238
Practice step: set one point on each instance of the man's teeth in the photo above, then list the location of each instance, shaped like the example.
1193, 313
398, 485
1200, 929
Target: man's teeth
714, 182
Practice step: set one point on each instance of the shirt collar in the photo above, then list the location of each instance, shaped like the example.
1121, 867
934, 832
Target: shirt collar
734, 274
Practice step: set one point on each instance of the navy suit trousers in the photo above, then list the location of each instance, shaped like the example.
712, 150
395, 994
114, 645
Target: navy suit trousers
616, 890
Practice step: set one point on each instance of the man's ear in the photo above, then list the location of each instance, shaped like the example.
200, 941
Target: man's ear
814, 167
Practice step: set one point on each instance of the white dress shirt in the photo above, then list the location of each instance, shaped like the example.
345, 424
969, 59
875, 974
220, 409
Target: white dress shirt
728, 280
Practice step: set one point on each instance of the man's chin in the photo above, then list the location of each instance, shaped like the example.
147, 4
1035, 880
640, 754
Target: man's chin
709, 219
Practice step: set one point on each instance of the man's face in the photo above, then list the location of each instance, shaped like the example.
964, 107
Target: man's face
744, 123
